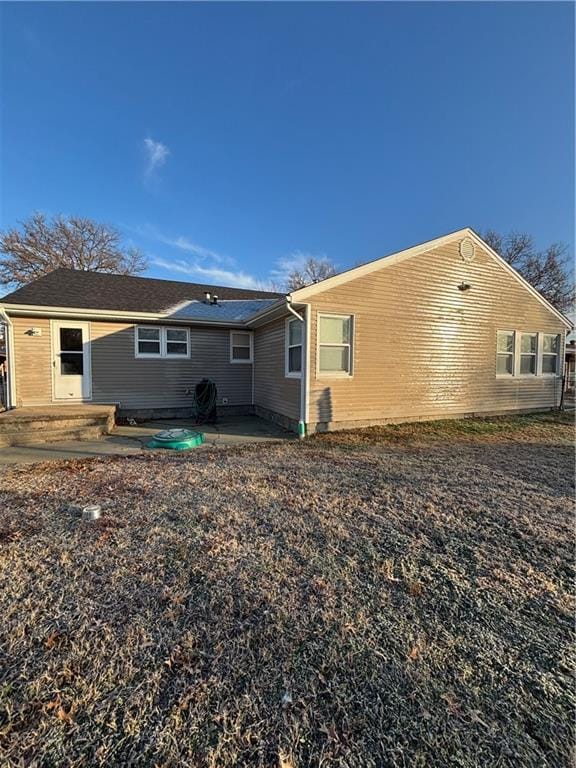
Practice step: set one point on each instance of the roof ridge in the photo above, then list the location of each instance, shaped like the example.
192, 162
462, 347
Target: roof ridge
156, 279
180, 285
80, 289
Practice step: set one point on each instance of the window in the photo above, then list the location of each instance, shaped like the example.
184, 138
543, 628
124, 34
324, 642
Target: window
71, 364
294, 330
152, 341
550, 351
527, 354
176, 342
71, 352
505, 353
528, 351
240, 347
148, 342
335, 345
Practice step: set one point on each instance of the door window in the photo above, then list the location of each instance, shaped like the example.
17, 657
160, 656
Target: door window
71, 352
71, 364
71, 339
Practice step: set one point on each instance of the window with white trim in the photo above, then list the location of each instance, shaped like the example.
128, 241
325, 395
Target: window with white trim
148, 341
335, 345
550, 353
157, 341
177, 342
528, 353
294, 329
505, 353
240, 347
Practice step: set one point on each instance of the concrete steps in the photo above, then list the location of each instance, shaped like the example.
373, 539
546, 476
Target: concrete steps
28, 426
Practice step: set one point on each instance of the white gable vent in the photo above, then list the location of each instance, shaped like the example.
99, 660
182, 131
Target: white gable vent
467, 249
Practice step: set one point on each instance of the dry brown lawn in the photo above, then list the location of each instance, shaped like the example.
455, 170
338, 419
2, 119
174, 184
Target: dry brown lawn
393, 597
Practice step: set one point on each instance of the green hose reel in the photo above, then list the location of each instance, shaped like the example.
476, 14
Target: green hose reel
177, 439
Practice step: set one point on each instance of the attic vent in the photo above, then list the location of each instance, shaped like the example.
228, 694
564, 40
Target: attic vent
467, 249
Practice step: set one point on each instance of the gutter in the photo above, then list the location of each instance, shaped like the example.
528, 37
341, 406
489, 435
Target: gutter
34, 310
52, 310
9, 341
105, 316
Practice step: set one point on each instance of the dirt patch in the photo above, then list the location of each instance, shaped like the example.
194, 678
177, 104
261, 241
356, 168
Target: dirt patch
404, 604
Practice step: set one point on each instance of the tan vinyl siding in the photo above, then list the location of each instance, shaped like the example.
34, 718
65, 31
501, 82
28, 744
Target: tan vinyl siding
272, 389
423, 348
33, 361
118, 376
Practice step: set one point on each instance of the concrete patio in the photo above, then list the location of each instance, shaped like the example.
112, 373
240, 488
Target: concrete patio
126, 440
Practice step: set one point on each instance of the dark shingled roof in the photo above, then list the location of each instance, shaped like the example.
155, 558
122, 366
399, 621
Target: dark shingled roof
124, 293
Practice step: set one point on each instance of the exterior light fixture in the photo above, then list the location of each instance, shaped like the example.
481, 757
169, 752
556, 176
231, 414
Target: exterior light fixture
464, 286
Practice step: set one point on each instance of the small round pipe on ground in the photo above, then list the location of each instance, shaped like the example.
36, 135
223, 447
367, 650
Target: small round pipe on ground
91, 512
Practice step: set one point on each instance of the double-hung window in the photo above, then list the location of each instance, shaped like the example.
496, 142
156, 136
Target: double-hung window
148, 341
505, 353
240, 347
176, 342
528, 353
550, 353
335, 351
155, 341
293, 367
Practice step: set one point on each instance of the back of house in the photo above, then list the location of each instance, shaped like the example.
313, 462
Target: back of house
443, 329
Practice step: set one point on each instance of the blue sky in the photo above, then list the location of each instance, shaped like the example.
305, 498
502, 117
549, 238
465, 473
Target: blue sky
227, 140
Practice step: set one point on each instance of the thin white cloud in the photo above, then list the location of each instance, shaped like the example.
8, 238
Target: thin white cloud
184, 244
206, 268
156, 155
205, 264
181, 242
224, 277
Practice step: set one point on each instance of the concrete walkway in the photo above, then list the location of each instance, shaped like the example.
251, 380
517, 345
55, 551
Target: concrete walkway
130, 440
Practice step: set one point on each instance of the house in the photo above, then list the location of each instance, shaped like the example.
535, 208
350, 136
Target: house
442, 329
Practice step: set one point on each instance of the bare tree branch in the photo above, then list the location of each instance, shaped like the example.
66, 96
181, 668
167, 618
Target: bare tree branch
42, 245
550, 271
313, 271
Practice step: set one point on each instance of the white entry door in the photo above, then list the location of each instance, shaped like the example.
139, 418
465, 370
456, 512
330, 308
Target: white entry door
71, 348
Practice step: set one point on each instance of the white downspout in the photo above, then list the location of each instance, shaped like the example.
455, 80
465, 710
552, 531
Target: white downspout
253, 355
290, 308
9, 342
303, 373
307, 365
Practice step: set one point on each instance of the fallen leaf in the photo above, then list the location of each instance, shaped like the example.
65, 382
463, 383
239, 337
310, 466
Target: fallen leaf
284, 761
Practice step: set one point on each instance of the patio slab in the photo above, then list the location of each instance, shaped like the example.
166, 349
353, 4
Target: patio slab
128, 440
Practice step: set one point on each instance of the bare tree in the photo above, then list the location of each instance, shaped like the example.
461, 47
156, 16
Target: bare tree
313, 271
550, 271
42, 245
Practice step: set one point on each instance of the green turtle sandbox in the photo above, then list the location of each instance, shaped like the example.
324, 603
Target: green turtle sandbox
177, 439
